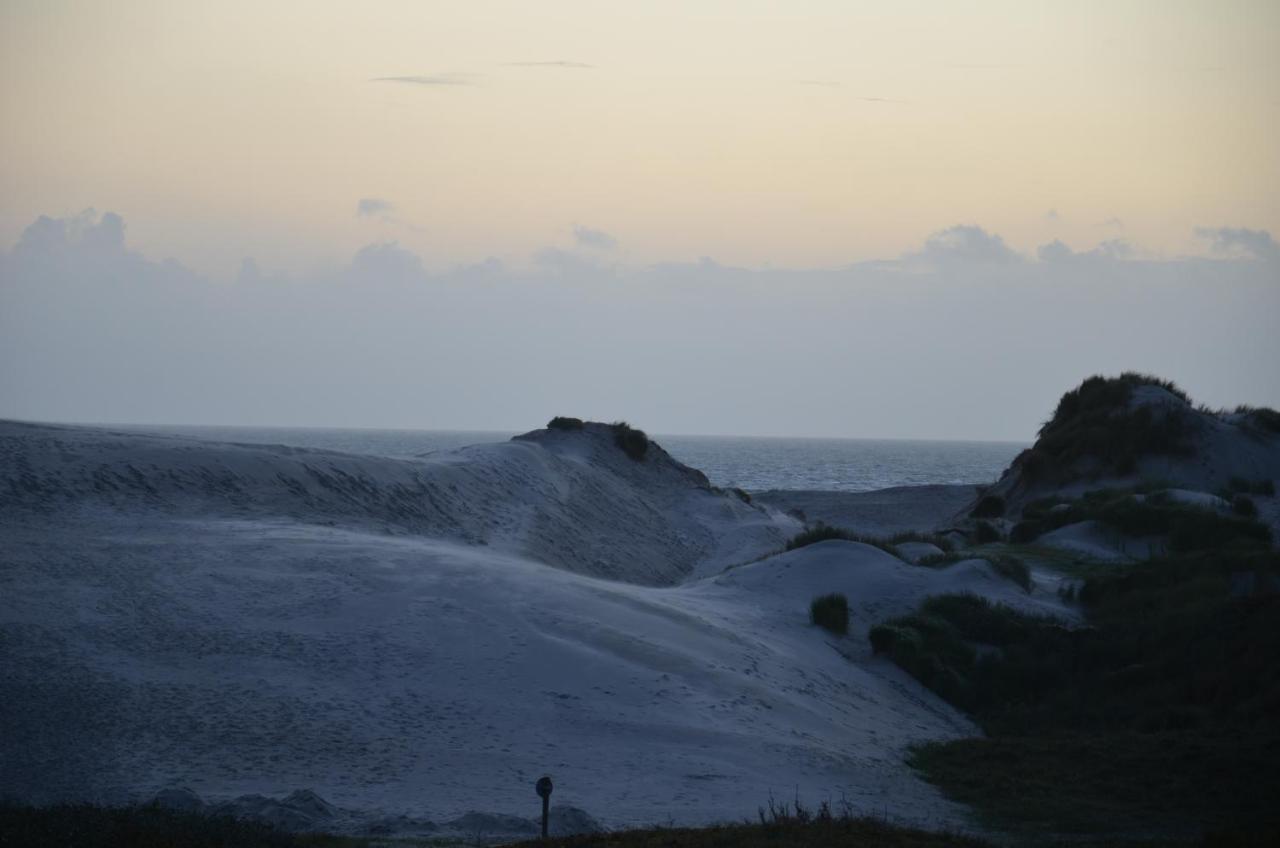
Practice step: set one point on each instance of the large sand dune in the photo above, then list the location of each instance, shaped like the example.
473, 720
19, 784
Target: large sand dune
428, 637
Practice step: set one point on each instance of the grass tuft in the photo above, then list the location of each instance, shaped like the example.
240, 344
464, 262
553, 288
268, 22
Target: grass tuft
634, 443
564, 422
830, 612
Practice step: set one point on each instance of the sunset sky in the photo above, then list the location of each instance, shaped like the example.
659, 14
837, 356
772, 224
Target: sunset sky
788, 133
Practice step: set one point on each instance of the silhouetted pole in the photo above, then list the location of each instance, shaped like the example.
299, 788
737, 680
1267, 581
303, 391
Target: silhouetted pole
543, 787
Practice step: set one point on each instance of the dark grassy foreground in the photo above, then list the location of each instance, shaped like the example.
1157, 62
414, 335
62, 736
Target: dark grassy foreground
1161, 716
87, 826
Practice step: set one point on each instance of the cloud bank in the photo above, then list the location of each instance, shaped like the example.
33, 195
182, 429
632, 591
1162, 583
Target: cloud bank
961, 338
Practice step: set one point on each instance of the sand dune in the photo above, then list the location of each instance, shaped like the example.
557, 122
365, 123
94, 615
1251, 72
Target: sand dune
406, 638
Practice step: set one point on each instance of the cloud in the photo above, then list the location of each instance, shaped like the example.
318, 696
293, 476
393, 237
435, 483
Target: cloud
561, 63
1052, 216
93, 329
595, 239
1112, 249
1240, 242
85, 233
1113, 223
430, 79
387, 261
370, 206
966, 244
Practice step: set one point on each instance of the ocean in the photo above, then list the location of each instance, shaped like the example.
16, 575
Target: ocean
752, 463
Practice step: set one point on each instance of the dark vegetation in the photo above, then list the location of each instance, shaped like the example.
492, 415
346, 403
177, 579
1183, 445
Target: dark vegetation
1260, 417
1241, 486
89, 826
780, 826
984, 533
988, 506
830, 612
1188, 528
1161, 715
1094, 431
634, 443
564, 422
1244, 506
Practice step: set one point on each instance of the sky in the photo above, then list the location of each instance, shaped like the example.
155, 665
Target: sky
917, 219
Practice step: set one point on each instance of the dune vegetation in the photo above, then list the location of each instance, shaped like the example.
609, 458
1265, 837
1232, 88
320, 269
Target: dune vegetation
1158, 716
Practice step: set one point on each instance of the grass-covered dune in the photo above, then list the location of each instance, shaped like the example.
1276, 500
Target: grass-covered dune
1136, 426
1161, 715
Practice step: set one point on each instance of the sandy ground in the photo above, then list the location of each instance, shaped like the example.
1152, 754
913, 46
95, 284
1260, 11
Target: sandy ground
246, 636
880, 513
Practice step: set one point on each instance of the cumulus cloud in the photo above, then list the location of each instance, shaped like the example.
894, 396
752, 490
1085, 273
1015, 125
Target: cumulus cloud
1112, 249
967, 244
92, 329
430, 79
368, 207
595, 239
83, 233
386, 261
1052, 216
1240, 242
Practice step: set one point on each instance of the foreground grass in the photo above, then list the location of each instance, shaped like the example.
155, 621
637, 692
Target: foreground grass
1160, 716
1118, 782
785, 830
87, 826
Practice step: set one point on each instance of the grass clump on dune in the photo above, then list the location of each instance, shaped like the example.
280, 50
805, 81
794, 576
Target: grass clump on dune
1241, 486
634, 443
1188, 527
830, 612
988, 506
1160, 715
565, 422
1094, 430
1261, 417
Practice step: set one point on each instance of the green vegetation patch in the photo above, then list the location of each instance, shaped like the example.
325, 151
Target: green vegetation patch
1162, 714
830, 612
634, 443
1189, 528
1094, 424
1119, 783
564, 422
988, 506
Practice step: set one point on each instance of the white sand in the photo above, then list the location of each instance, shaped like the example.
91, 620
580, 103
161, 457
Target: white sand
239, 619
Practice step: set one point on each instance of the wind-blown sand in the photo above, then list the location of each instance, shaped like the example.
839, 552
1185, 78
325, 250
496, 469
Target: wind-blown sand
428, 638
880, 513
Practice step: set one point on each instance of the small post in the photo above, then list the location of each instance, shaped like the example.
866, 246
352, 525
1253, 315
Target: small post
543, 788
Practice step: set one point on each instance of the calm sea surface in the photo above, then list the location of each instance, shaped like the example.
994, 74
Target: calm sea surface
851, 465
